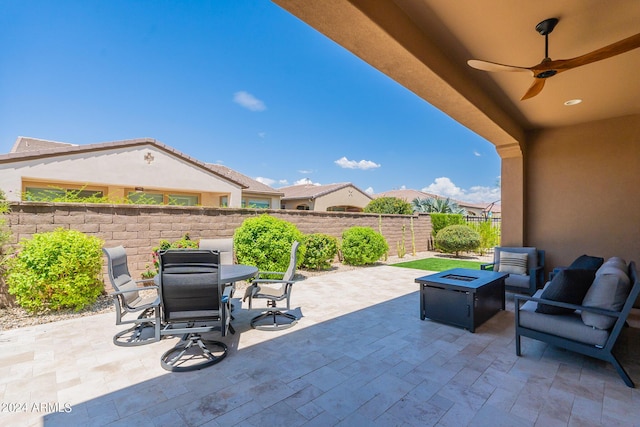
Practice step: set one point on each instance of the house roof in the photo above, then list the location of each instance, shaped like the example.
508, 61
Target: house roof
311, 191
409, 195
251, 184
24, 144
27, 148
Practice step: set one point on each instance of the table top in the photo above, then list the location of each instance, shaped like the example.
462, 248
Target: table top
234, 272
229, 273
463, 277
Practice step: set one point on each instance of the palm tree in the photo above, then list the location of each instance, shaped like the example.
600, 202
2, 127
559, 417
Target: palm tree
437, 205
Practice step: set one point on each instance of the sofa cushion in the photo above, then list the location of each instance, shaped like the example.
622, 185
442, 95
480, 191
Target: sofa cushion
608, 291
570, 286
568, 326
513, 263
617, 262
587, 262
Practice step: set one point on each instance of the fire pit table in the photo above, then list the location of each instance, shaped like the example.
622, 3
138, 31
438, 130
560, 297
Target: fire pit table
462, 297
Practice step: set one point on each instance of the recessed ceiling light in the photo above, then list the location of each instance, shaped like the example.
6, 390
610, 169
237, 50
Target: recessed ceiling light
573, 102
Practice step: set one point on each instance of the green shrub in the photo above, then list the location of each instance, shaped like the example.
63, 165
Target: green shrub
265, 242
457, 238
57, 270
389, 205
321, 250
362, 245
442, 220
489, 234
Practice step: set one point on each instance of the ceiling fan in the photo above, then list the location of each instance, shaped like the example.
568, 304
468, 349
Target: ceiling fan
548, 67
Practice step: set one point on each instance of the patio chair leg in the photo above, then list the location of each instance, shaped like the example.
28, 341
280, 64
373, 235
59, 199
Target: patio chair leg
193, 353
274, 325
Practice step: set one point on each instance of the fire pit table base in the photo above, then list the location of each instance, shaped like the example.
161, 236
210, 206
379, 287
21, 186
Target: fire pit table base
461, 297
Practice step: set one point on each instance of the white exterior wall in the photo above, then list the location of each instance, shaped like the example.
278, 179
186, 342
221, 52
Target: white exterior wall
123, 167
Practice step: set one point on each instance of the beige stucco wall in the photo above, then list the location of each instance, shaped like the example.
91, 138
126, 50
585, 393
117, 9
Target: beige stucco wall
348, 196
583, 190
125, 167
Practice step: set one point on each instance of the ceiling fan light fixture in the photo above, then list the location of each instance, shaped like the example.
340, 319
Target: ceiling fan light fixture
572, 102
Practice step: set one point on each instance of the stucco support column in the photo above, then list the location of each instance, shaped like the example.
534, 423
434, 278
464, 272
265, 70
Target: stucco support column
512, 198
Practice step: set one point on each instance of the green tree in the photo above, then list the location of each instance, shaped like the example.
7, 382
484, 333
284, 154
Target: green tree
389, 205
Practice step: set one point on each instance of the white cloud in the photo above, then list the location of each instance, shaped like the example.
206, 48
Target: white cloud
248, 101
475, 153
444, 187
352, 164
267, 181
304, 171
369, 190
306, 181
283, 182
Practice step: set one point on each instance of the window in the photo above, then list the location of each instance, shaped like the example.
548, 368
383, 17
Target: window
183, 200
43, 194
256, 203
224, 202
302, 207
146, 198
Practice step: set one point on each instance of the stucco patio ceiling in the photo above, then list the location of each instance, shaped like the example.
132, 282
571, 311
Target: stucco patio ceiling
425, 45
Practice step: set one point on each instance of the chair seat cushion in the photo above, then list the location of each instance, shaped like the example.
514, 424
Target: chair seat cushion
518, 281
513, 263
568, 326
570, 286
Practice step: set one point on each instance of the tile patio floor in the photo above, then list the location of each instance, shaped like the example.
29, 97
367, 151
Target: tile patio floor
360, 356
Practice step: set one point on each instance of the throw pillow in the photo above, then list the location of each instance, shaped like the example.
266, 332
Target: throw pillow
570, 286
608, 291
513, 263
616, 262
587, 262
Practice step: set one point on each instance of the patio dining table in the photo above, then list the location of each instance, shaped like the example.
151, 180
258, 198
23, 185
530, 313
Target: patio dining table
230, 273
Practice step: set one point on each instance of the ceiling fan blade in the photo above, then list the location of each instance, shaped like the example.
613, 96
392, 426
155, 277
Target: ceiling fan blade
535, 89
493, 66
613, 49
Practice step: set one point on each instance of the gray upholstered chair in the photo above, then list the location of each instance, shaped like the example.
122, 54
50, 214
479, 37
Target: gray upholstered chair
132, 298
525, 266
264, 286
194, 301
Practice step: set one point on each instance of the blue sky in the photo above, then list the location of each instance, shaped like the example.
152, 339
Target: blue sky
241, 83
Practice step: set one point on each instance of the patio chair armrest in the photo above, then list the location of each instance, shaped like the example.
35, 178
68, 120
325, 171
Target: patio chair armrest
489, 266
523, 298
149, 280
126, 291
227, 293
256, 281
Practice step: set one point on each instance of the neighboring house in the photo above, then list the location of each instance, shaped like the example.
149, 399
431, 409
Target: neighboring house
473, 209
256, 194
136, 169
342, 197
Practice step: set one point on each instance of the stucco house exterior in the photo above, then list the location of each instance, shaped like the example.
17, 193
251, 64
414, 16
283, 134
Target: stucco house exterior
473, 209
135, 169
341, 197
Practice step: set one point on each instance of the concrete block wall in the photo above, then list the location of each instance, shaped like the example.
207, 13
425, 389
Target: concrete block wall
140, 228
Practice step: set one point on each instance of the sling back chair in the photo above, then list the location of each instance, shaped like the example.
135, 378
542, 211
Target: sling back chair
131, 298
194, 301
274, 290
